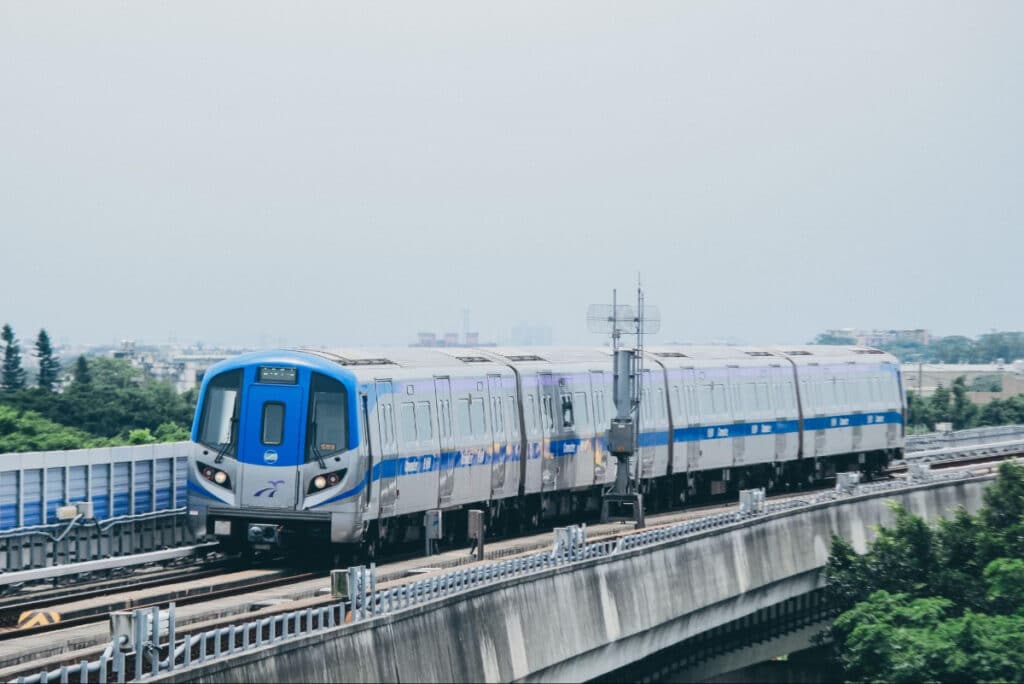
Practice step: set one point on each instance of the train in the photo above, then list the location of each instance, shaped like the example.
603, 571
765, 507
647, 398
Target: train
348, 449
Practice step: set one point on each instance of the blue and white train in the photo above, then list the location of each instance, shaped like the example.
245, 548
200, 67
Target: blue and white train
351, 448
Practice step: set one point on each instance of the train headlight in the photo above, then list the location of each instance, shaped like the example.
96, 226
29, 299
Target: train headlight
214, 475
325, 480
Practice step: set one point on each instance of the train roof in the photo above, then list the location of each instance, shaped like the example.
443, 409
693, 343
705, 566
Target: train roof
538, 357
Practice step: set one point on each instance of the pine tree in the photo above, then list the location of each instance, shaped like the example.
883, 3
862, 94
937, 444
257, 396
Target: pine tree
82, 375
49, 365
13, 378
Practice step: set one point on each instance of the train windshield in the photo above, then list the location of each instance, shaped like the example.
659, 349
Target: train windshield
218, 425
327, 431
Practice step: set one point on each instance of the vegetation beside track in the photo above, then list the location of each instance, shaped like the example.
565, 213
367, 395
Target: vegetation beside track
943, 603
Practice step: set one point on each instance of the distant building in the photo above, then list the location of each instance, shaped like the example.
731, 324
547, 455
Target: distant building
878, 338
987, 381
526, 335
450, 339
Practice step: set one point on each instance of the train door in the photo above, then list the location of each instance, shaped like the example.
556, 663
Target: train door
691, 408
646, 416
388, 467
272, 441
499, 443
601, 425
548, 408
446, 483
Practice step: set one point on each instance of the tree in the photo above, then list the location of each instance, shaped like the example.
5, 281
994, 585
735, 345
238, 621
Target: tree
939, 405
964, 412
943, 604
13, 378
825, 338
82, 376
49, 365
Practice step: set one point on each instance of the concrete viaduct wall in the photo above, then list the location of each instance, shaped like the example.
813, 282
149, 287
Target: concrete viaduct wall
567, 624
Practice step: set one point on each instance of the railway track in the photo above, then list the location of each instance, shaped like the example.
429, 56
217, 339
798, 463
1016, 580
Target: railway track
397, 566
99, 610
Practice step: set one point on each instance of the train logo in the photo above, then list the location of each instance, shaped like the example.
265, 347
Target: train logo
271, 490
270, 456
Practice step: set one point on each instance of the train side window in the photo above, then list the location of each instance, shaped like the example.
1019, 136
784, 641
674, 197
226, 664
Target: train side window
444, 418
580, 404
497, 420
531, 416
465, 425
511, 419
805, 396
568, 419
707, 402
424, 421
749, 398
661, 404
721, 410
478, 417
547, 414
763, 401
272, 433
407, 424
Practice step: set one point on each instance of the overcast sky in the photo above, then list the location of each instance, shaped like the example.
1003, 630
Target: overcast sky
352, 173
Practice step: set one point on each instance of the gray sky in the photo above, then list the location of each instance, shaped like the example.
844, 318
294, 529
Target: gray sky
352, 173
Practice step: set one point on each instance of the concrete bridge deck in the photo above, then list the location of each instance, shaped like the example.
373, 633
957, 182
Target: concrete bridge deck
570, 624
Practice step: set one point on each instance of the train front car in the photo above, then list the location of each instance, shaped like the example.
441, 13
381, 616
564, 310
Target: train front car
276, 436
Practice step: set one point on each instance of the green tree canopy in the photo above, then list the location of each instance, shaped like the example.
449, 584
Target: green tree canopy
13, 377
82, 376
49, 365
943, 603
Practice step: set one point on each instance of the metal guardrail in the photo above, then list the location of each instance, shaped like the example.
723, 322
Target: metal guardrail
151, 646
12, 579
966, 452
972, 436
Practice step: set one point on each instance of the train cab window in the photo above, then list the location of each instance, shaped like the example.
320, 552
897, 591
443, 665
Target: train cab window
327, 429
218, 424
272, 432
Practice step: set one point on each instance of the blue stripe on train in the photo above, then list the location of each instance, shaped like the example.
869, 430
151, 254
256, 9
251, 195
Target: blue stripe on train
413, 465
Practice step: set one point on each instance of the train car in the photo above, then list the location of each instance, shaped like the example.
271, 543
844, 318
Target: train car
350, 448
735, 417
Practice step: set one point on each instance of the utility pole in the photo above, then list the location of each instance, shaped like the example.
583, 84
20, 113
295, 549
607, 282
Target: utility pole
625, 428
